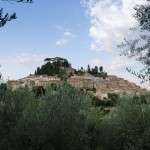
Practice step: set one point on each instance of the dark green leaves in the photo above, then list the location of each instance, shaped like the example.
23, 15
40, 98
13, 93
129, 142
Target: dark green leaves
5, 18
139, 48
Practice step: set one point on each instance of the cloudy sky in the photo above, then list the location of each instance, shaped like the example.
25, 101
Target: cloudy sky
82, 31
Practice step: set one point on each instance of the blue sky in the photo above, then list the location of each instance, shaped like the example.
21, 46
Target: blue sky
83, 31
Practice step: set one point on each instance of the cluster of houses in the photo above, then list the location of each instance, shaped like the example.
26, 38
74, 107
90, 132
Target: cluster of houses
112, 84
101, 87
34, 81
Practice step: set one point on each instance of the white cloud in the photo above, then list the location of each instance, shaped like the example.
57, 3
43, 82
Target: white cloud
110, 22
58, 27
69, 34
66, 37
118, 64
23, 58
61, 42
97, 62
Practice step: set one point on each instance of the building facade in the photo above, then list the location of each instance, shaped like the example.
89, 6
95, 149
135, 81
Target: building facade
34, 81
112, 84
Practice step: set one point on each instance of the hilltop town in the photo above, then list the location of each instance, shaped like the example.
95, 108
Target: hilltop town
97, 85
94, 80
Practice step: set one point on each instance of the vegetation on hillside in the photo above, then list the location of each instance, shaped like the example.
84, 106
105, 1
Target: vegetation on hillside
58, 66
96, 71
110, 102
65, 119
53, 66
127, 126
139, 48
55, 121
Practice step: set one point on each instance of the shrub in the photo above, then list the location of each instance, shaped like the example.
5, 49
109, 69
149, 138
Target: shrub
93, 124
57, 122
127, 126
12, 105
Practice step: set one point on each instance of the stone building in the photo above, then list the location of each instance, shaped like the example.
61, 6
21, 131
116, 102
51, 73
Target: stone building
112, 84
76, 81
14, 84
35, 81
86, 81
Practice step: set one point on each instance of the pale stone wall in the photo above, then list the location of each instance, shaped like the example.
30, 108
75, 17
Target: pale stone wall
35, 80
14, 84
112, 84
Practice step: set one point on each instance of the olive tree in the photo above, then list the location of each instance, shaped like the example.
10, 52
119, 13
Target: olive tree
55, 121
139, 48
127, 126
12, 105
4, 18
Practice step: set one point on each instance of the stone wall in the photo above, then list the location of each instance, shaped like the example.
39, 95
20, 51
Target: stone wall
112, 84
34, 81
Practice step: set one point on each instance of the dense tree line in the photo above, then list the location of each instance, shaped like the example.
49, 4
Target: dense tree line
53, 66
64, 119
110, 102
96, 71
58, 66
55, 121
127, 126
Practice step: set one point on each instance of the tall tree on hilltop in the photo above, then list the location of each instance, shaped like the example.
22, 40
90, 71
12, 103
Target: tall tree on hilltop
38, 71
54, 66
101, 69
140, 48
96, 69
88, 69
59, 61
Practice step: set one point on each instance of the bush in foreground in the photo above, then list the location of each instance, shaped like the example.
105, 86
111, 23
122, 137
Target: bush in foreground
57, 121
128, 125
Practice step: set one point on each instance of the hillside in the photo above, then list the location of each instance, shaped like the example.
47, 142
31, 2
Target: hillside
62, 68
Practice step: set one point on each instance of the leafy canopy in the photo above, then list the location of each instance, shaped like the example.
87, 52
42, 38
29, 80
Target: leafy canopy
139, 48
4, 18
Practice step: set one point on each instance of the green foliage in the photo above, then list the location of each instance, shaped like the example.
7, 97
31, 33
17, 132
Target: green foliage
3, 88
5, 18
79, 72
58, 66
69, 107
96, 72
93, 123
55, 59
38, 91
113, 97
139, 48
106, 103
55, 121
63, 119
127, 126
54, 66
94, 90
12, 105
